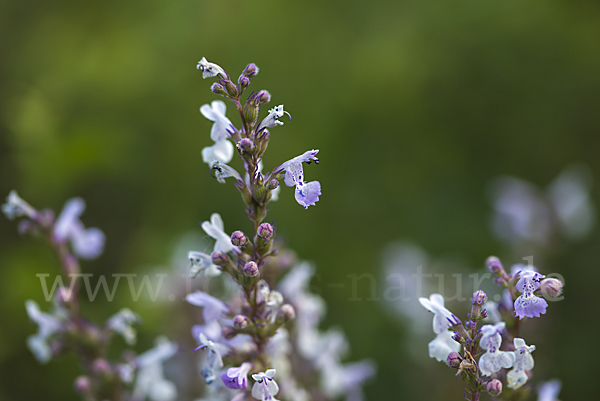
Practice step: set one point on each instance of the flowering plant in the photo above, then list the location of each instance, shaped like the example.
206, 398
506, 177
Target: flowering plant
267, 329
483, 355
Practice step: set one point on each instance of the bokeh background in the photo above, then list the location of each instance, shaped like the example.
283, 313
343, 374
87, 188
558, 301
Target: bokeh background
416, 106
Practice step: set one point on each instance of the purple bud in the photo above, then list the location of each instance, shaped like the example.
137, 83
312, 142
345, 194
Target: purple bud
454, 359
250, 71
272, 184
240, 322
265, 230
493, 264
246, 145
244, 81
484, 313
494, 387
218, 89
263, 97
457, 337
238, 238
551, 287
479, 298
251, 269
220, 258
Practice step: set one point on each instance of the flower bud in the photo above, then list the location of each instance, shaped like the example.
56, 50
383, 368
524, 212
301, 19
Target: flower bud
494, 387
218, 89
238, 238
250, 71
250, 111
272, 184
551, 287
251, 269
454, 359
493, 265
229, 332
286, 313
244, 82
265, 230
262, 141
230, 87
240, 322
246, 146
479, 298
263, 97
220, 259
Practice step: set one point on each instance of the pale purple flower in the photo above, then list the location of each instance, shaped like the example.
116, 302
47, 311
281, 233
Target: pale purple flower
265, 388
150, 380
87, 243
213, 308
237, 378
17, 207
48, 325
528, 304
272, 119
523, 361
222, 150
549, 390
214, 359
210, 70
307, 193
202, 262
214, 228
122, 323
443, 344
493, 359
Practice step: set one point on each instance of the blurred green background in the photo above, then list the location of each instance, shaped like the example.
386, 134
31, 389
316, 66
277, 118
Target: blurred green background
415, 106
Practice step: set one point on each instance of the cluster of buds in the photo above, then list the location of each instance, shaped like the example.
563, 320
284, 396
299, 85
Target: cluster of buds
498, 344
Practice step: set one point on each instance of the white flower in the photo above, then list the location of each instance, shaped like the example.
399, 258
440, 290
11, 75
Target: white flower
523, 361
87, 243
222, 150
443, 344
202, 262
265, 388
48, 325
493, 359
271, 298
210, 70
122, 323
17, 207
150, 381
272, 119
214, 229
213, 307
